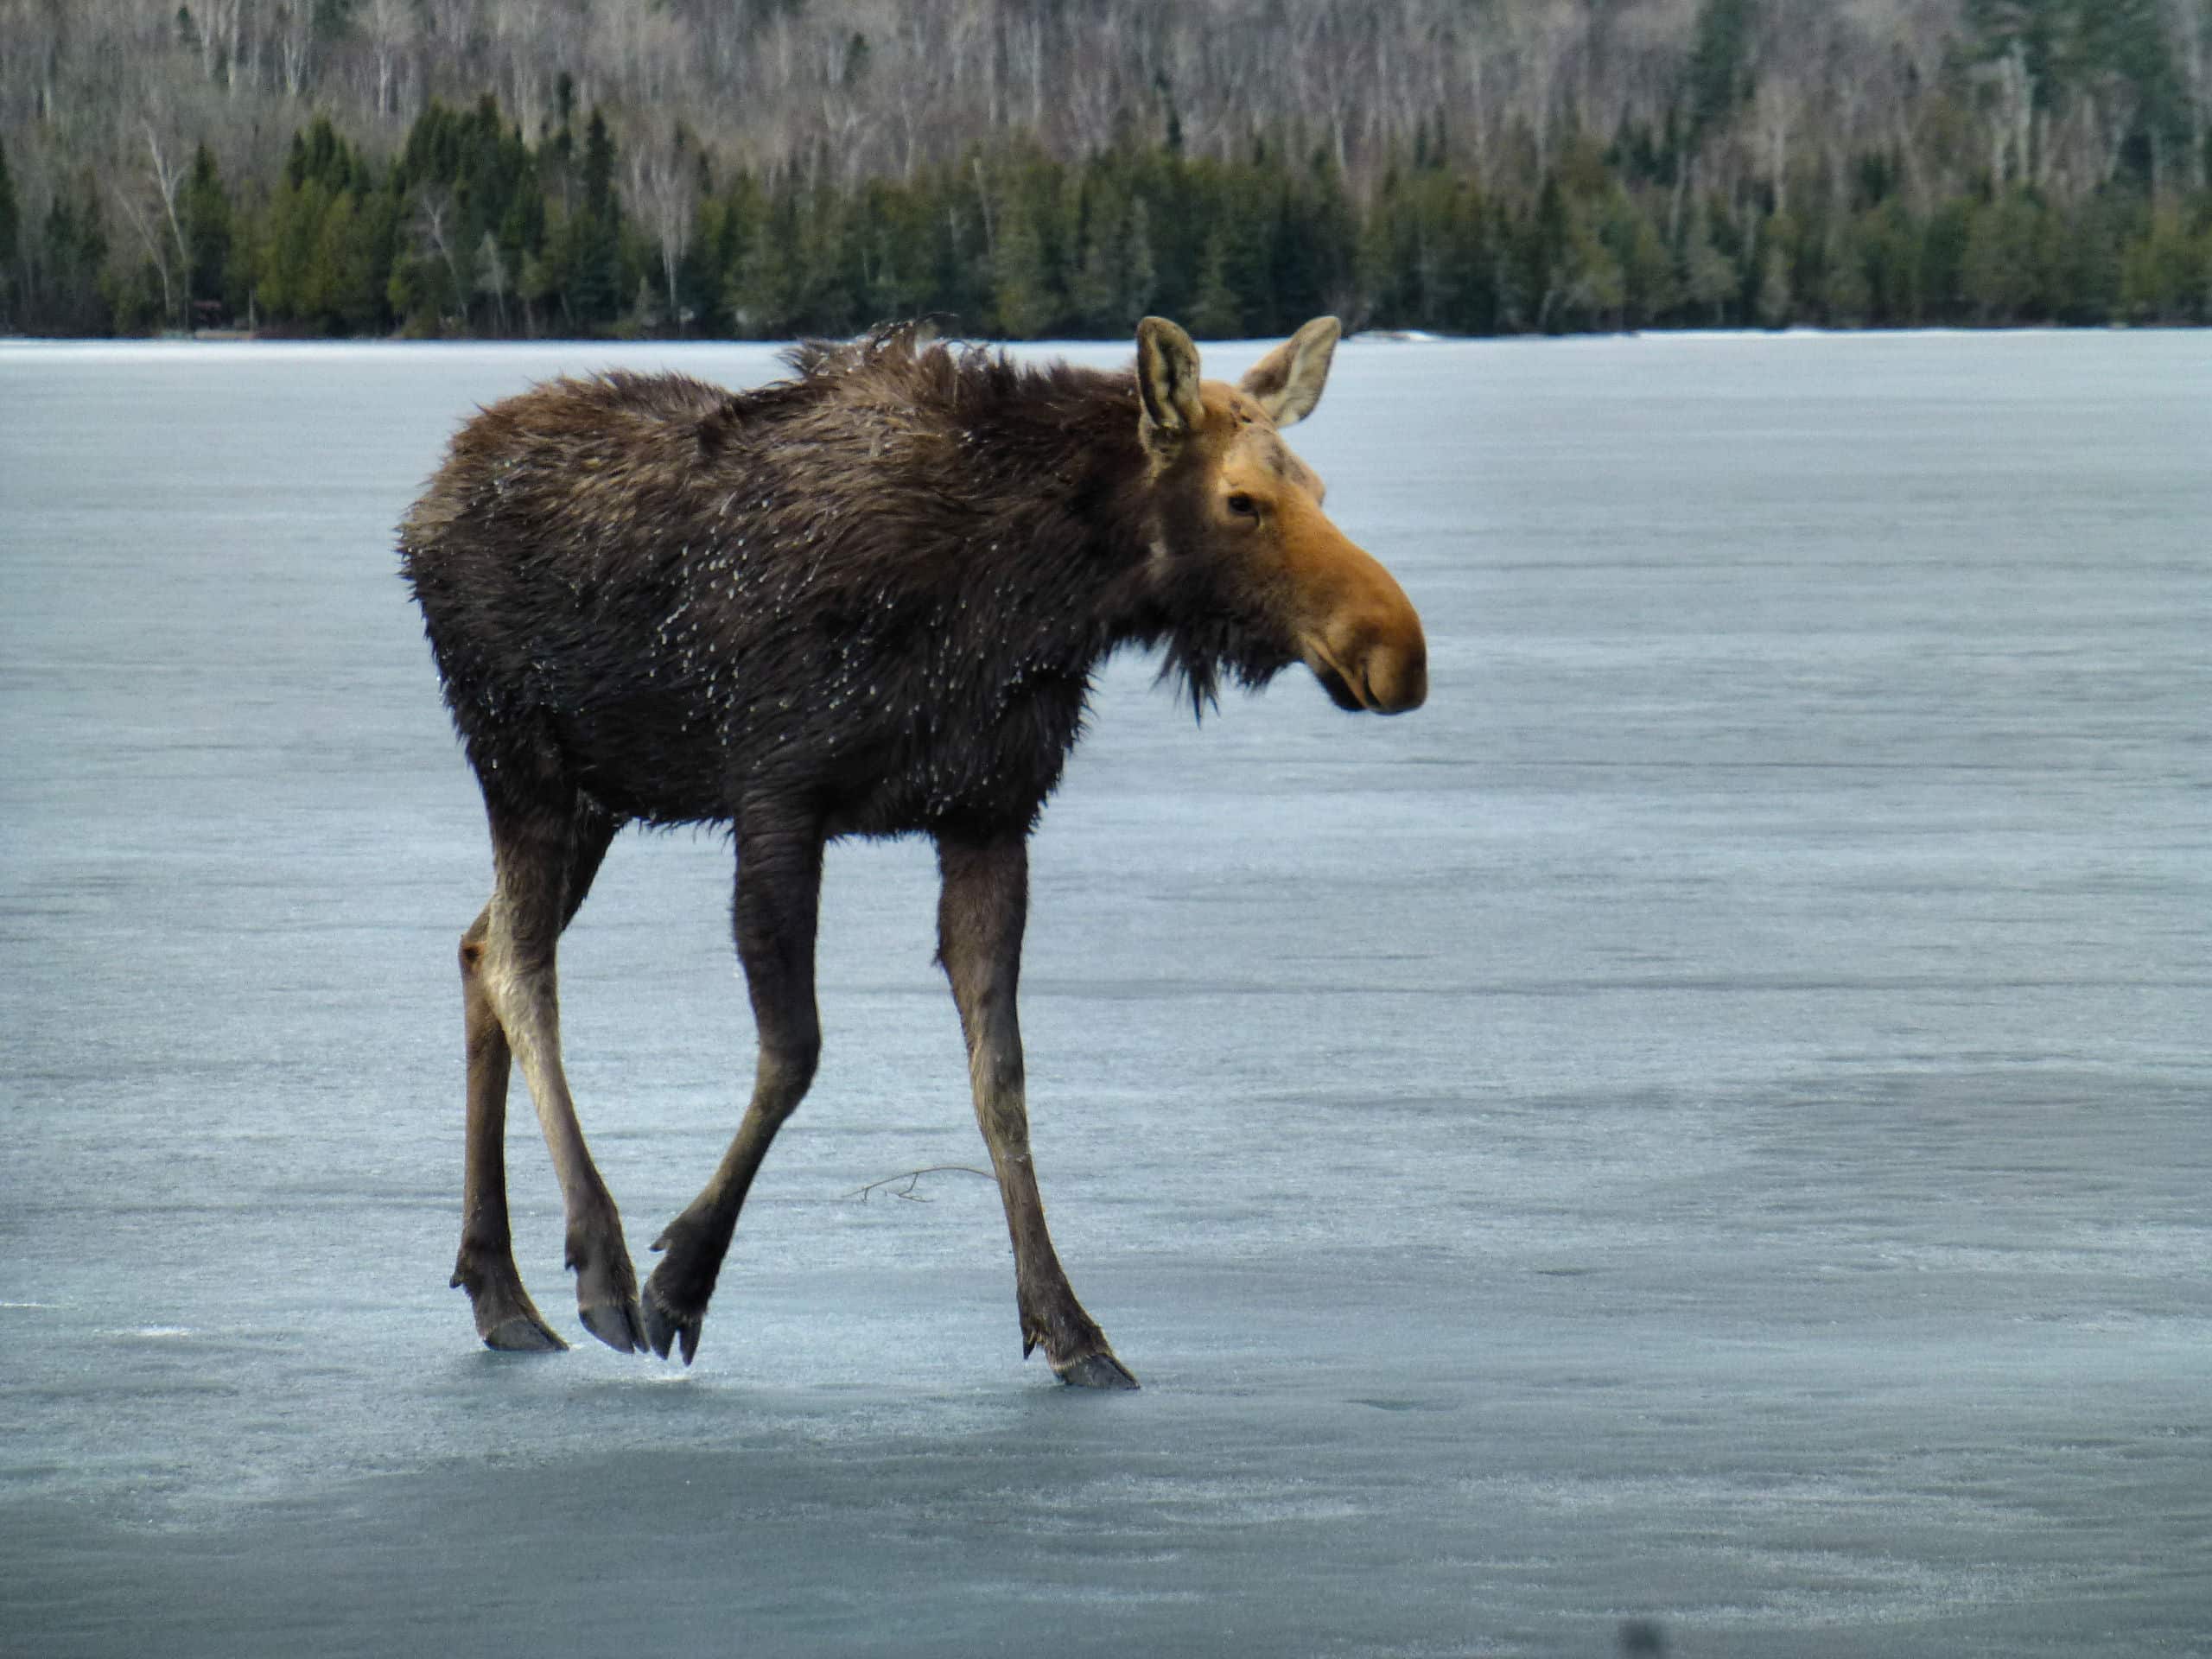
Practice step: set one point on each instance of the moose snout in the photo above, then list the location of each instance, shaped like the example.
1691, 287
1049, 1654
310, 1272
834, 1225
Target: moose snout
1370, 652
1385, 677
1397, 675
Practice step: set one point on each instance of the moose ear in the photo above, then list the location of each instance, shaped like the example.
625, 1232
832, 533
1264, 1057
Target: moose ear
1167, 382
1288, 381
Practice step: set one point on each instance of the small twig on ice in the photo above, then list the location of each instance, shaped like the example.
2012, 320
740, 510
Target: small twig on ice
913, 1175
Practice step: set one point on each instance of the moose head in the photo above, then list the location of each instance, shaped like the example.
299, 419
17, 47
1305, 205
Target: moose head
1240, 512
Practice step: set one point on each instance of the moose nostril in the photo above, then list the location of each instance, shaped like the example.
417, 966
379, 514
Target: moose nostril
1397, 682
1415, 689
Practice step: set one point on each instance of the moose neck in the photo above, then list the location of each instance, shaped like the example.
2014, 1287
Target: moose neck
1072, 522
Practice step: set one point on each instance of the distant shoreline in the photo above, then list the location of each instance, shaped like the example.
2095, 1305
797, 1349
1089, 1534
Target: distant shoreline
1364, 337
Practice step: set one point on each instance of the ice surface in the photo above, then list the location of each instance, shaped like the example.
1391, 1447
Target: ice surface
1705, 1123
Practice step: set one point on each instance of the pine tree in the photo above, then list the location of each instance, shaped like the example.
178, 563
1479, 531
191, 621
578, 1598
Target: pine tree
365, 243
1140, 277
1710, 279
1098, 288
1241, 220
593, 285
1999, 274
1649, 289
1846, 293
533, 287
1777, 305
1719, 66
8, 230
75, 260
205, 209
763, 297
1021, 286
1217, 312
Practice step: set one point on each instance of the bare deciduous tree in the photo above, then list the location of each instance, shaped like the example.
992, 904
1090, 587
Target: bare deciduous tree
388, 27
858, 88
492, 276
661, 185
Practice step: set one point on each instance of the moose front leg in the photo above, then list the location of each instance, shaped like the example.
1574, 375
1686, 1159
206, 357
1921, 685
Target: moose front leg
778, 899
982, 910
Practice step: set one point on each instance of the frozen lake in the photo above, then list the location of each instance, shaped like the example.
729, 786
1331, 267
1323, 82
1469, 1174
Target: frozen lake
1704, 1124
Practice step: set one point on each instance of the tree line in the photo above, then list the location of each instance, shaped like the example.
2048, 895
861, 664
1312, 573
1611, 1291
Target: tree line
1516, 165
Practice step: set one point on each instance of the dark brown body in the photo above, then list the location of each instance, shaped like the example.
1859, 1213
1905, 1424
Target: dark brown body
866, 600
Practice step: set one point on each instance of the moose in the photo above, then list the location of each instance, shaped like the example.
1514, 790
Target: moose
867, 600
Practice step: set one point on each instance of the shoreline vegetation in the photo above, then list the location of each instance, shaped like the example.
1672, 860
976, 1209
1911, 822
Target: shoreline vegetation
181, 339
1020, 169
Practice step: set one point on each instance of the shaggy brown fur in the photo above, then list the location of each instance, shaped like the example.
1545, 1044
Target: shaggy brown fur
867, 599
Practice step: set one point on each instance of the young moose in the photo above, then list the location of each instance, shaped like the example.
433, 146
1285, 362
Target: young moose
866, 600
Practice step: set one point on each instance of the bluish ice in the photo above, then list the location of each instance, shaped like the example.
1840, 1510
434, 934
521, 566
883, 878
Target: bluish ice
1704, 1124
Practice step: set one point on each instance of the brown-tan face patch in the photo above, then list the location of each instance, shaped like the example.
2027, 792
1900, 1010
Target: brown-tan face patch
1350, 620
1253, 458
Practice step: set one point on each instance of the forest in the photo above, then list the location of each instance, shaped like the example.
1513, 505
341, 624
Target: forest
1029, 169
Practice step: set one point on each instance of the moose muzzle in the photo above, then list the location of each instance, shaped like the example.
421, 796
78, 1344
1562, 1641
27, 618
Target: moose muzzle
1366, 645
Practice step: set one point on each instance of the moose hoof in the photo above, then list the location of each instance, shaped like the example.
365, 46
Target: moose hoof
666, 1327
619, 1325
524, 1333
507, 1320
677, 1292
606, 1286
1094, 1372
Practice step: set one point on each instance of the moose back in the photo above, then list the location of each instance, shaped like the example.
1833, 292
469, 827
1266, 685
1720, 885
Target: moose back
867, 600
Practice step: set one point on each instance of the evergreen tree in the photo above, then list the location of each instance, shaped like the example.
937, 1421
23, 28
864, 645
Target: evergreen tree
1546, 257
764, 290
320, 156
1648, 290
535, 288
362, 248
1944, 238
1719, 66
1141, 277
2001, 273
1097, 290
1710, 279
327, 297
1021, 284
1589, 288
1175, 223
1776, 306
2165, 270
73, 298
592, 289
204, 208
1242, 215
1316, 245
1847, 292
1383, 258
8, 218
1217, 311
830, 285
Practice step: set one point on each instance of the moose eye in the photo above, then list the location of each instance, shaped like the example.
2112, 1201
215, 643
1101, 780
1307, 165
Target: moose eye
1243, 505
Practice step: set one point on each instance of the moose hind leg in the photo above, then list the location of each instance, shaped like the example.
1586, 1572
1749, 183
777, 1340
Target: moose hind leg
545, 860
981, 910
505, 1317
778, 898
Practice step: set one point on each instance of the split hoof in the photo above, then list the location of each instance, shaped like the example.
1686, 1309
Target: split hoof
606, 1286
677, 1292
666, 1327
1094, 1372
524, 1333
619, 1325
1075, 1347
507, 1321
